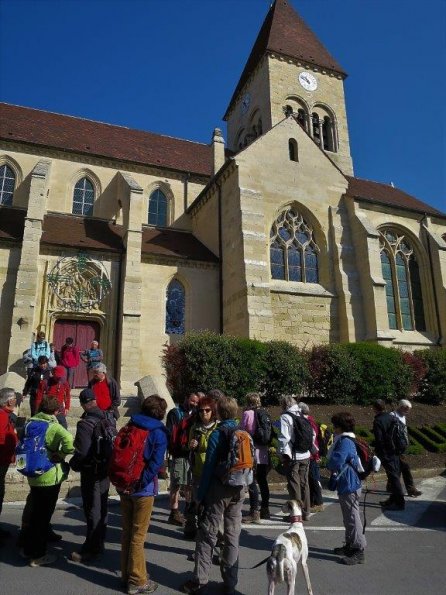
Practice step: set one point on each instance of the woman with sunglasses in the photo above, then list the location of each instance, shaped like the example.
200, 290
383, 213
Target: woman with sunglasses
200, 431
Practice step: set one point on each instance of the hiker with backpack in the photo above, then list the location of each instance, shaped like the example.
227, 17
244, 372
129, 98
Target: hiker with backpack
384, 428
314, 474
40, 457
39, 373
106, 390
69, 359
199, 434
294, 445
178, 423
403, 409
227, 471
8, 441
56, 386
40, 347
257, 422
138, 455
93, 445
344, 463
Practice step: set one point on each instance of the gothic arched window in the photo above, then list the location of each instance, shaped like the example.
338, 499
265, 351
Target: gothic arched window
292, 150
316, 128
7, 185
175, 308
293, 251
158, 208
403, 286
83, 197
327, 134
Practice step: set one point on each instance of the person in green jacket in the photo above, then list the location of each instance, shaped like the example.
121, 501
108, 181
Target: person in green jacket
45, 488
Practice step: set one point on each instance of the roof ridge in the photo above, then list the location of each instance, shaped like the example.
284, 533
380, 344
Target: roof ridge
36, 109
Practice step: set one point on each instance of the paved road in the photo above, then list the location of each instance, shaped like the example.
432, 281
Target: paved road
405, 554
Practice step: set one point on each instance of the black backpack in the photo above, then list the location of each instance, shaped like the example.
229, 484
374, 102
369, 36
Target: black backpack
264, 427
303, 433
104, 434
399, 437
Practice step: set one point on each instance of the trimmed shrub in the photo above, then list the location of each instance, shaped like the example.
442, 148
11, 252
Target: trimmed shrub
203, 361
382, 373
422, 437
432, 388
334, 374
286, 371
417, 369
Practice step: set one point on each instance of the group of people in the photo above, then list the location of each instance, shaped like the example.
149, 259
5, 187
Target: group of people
197, 435
69, 356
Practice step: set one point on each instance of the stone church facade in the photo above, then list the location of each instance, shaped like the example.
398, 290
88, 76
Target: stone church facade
135, 238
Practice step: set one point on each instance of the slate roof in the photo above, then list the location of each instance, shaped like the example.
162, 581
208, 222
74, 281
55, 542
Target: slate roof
68, 133
388, 195
284, 32
178, 244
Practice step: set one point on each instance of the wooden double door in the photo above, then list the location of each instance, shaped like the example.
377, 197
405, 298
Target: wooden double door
83, 333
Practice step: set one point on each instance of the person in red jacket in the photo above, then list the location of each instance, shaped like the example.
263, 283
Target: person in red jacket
69, 359
8, 441
58, 387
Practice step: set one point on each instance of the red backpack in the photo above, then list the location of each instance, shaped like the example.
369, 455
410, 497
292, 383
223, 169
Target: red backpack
127, 460
179, 437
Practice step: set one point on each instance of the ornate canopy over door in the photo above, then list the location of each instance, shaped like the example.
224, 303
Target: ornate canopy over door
78, 284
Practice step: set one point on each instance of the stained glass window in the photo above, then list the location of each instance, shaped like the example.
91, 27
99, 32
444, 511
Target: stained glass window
158, 208
175, 308
293, 251
403, 286
83, 197
7, 185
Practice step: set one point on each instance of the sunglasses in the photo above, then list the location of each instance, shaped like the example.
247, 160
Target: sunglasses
205, 410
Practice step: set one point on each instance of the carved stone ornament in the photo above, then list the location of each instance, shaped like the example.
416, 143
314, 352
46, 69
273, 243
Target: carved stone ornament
79, 283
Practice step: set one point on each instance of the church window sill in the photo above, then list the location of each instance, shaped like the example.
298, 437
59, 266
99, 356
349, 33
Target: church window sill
300, 289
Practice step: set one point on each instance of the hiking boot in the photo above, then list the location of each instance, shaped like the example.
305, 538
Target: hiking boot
43, 561
176, 518
252, 517
344, 550
83, 557
191, 586
150, 587
413, 492
265, 513
354, 557
317, 508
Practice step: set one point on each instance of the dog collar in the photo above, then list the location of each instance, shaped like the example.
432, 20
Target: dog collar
296, 519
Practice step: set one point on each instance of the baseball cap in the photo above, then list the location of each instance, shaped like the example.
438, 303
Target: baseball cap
86, 396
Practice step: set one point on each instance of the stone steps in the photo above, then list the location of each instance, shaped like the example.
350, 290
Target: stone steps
17, 485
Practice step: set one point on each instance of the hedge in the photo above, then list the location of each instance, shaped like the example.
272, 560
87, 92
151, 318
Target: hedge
340, 373
421, 435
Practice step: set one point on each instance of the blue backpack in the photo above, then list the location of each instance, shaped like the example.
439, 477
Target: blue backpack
31, 453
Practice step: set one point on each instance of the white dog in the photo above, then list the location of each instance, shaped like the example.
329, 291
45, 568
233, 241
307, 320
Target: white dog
288, 549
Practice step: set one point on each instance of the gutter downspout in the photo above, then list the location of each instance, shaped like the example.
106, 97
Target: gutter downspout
434, 284
220, 251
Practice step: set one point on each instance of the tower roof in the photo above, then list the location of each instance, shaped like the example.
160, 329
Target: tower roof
284, 32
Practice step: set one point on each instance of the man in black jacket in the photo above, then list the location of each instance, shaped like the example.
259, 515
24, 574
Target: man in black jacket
382, 426
39, 372
95, 483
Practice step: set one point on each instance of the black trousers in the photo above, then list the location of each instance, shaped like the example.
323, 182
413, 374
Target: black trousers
3, 470
260, 477
406, 473
42, 502
314, 478
94, 491
391, 464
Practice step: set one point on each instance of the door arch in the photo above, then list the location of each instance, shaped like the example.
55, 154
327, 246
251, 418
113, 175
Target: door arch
83, 333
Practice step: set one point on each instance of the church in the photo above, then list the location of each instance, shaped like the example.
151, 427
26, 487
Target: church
133, 238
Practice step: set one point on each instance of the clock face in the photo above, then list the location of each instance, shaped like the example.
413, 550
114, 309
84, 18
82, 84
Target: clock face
308, 81
246, 101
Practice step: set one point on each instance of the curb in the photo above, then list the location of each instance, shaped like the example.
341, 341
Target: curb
76, 502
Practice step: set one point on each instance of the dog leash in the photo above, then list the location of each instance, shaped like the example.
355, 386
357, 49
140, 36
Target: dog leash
256, 566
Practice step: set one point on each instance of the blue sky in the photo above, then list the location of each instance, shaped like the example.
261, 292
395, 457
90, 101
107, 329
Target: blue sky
170, 66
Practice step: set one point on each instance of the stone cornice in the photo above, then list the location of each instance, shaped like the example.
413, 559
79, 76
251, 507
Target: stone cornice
172, 260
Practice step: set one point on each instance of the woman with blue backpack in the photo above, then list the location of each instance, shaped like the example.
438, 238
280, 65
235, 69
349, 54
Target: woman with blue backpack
344, 463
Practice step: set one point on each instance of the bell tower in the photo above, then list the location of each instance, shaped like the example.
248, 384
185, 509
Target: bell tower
290, 71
